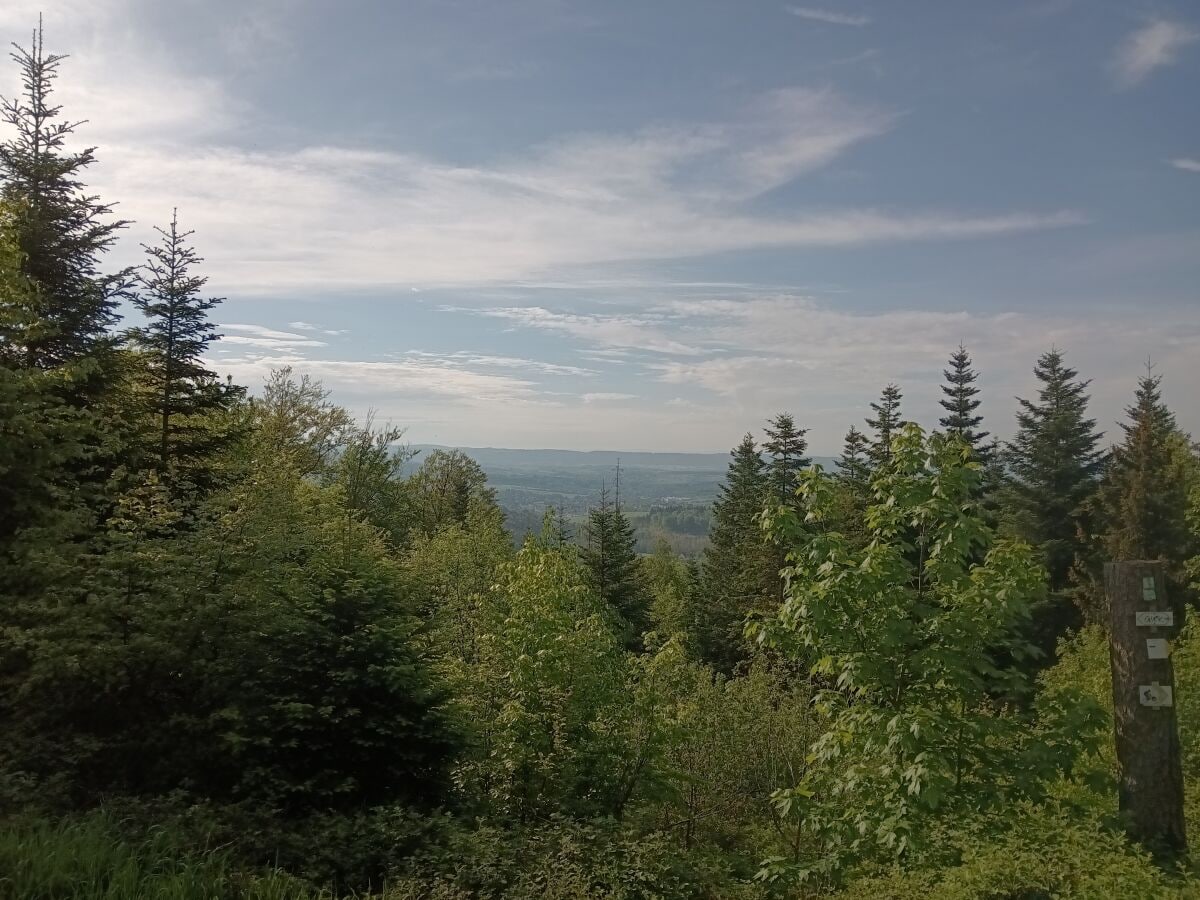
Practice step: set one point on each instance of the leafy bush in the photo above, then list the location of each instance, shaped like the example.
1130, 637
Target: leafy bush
88, 860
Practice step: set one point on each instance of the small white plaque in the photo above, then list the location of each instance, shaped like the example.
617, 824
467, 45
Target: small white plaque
1156, 648
1154, 695
1155, 618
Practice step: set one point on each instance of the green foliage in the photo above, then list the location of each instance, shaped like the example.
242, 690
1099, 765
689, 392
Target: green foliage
1032, 853
544, 688
180, 389
268, 650
1140, 508
962, 417
1054, 466
886, 424
672, 586
734, 580
614, 569
90, 860
445, 487
900, 635
59, 230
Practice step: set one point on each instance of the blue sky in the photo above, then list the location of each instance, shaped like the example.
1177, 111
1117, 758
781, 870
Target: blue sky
650, 225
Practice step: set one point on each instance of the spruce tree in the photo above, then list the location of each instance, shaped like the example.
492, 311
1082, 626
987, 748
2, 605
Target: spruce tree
1054, 465
60, 230
853, 467
609, 554
176, 335
962, 417
886, 423
1141, 505
785, 447
735, 560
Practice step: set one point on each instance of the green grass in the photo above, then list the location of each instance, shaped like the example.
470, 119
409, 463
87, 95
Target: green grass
88, 860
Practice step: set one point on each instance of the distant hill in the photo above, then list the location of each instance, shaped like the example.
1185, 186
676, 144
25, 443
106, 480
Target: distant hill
500, 456
666, 494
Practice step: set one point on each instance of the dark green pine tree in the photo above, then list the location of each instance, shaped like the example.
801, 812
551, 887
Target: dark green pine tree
175, 336
1053, 468
60, 230
785, 447
735, 560
961, 403
886, 423
1054, 465
1143, 497
853, 466
609, 554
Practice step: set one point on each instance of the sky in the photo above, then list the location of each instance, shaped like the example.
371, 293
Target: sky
621, 224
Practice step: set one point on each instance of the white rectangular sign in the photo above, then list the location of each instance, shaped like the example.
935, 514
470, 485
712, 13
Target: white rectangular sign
1153, 618
1154, 695
1156, 648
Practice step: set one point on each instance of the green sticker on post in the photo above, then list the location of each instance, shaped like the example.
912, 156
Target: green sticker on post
1149, 592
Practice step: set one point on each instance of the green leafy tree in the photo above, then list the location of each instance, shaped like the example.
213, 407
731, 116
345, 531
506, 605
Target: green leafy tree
735, 560
60, 231
885, 424
610, 557
174, 339
672, 592
445, 486
900, 633
270, 652
295, 423
546, 693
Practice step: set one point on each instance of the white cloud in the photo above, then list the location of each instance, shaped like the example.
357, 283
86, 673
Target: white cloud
463, 358
627, 332
606, 397
1186, 164
751, 356
265, 338
829, 17
305, 219
1156, 44
391, 380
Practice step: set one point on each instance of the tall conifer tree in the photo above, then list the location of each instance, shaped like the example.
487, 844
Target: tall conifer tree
853, 467
1054, 465
60, 230
1140, 510
885, 424
609, 553
176, 335
735, 560
961, 403
785, 447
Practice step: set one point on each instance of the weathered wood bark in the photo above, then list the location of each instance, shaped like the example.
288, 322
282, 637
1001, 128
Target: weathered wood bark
1147, 738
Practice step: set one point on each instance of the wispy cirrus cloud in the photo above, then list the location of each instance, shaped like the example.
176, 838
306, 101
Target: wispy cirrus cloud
1187, 164
465, 358
606, 397
1156, 44
266, 338
308, 218
829, 17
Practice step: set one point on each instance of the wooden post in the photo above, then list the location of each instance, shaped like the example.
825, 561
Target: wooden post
1143, 623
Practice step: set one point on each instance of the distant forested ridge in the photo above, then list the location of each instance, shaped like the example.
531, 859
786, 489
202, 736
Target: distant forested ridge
252, 647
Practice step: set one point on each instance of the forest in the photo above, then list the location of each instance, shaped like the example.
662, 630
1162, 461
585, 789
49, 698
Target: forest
251, 647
